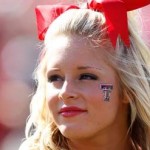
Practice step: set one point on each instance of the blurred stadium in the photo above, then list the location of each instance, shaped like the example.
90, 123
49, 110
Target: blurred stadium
19, 50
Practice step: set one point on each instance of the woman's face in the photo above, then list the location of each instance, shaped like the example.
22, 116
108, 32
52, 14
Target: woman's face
76, 102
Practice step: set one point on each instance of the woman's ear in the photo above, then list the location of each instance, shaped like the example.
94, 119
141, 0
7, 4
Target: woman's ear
123, 93
126, 96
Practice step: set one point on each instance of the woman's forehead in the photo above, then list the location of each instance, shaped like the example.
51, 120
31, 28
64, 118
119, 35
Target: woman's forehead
75, 51
63, 42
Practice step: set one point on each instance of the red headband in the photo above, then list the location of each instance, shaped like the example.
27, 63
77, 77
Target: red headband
115, 12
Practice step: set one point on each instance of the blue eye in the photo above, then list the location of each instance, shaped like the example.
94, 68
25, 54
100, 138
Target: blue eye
54, 78
88, 76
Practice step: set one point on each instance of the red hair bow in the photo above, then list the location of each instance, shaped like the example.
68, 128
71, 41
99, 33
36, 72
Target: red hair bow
115, 12
46, 14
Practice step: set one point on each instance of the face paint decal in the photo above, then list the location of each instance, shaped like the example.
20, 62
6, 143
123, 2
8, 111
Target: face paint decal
106, 88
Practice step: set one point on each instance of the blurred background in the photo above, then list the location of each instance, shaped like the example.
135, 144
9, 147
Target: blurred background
19, 50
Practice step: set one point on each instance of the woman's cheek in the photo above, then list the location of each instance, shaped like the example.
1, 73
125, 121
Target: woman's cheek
93, 90
52, 98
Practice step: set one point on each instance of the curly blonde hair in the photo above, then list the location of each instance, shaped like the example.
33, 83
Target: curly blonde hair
131, 64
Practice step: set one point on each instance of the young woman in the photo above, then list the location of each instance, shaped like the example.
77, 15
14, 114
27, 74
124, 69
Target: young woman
93, 80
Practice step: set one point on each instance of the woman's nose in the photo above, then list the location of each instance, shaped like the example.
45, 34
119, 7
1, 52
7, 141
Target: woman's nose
68, 91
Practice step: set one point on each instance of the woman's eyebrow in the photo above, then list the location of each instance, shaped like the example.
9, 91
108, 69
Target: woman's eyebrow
49, 70
88, 67
53, 69
79, 68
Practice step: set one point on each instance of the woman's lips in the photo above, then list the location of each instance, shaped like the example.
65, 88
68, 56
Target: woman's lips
71, 111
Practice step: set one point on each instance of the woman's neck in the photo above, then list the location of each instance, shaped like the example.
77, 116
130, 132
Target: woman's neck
111, 145
113, 140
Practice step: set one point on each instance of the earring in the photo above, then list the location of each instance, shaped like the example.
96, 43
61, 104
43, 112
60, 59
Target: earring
106, 88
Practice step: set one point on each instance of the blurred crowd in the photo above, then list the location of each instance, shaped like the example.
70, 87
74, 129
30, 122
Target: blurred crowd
19, 50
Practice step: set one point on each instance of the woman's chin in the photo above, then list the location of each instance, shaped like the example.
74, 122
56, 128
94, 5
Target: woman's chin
72, 131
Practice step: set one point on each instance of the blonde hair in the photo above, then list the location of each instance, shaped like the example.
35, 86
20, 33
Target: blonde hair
131, 64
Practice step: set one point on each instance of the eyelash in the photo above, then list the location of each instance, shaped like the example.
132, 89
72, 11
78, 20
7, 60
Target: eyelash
85, 76
54, 78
